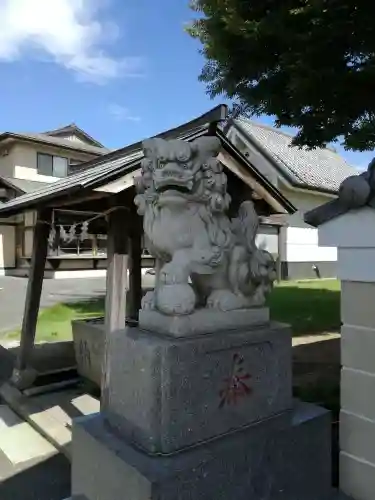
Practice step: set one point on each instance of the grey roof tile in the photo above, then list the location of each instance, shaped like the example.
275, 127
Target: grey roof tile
321, 168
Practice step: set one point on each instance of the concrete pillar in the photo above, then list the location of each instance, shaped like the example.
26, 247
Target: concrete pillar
354, 235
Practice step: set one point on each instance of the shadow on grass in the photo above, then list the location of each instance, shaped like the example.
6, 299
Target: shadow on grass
307, 310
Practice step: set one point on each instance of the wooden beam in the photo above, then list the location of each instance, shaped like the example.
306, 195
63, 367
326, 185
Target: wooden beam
76, 200
115, 301
241, 172
23, 374
134, 298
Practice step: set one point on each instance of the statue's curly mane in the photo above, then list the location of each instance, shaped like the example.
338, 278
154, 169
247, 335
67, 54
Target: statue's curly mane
211, 194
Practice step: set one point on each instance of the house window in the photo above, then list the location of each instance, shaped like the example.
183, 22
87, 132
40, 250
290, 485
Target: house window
55, 166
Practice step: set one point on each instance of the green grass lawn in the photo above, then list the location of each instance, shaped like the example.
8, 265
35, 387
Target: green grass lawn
308, 306
54, 323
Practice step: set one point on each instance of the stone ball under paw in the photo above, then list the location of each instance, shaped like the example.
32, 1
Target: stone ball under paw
175, 300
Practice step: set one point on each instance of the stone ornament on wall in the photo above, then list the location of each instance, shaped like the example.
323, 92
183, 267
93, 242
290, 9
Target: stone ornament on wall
203, 259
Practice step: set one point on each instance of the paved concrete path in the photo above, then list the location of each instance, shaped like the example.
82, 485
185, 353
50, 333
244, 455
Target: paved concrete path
30, 467
13, 293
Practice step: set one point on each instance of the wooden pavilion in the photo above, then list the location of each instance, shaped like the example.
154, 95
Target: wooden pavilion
106, 186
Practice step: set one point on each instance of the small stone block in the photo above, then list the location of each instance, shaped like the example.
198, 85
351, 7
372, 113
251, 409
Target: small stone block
166, 394
202, 321
264, 461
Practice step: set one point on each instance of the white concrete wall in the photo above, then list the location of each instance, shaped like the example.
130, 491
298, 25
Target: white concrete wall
24, 160
7, 248
354, 234
6, 161
301, 239
302, 246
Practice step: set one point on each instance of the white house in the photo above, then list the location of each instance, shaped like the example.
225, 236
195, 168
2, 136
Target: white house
29, 162
307, 179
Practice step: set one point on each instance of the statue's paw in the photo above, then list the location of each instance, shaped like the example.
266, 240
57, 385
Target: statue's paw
148, 301
225, 300
170, 274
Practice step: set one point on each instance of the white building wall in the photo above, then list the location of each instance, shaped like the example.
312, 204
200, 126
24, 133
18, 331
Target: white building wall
7, 248
267, 239
24, 160
301, 239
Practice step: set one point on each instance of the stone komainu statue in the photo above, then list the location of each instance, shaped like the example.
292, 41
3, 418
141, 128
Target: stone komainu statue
203, 259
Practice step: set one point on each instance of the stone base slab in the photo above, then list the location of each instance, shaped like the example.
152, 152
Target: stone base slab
260, 463
166, 394
357, 477
202, 321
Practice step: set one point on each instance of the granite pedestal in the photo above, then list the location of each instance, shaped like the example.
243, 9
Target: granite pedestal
205, 417
166, 394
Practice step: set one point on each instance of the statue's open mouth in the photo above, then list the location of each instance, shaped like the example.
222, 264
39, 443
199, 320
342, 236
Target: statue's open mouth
174, 188
174, 184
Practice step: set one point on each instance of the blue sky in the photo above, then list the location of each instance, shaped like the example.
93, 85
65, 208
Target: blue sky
122, 70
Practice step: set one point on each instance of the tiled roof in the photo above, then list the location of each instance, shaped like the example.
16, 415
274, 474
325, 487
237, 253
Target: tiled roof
105, 169
114, 165
74, 182
55, 141
321, 168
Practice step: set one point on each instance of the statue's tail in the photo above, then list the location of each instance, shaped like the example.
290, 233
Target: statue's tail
251, 270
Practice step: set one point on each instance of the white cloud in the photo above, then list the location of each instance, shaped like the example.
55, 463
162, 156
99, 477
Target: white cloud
122, 113
70, 32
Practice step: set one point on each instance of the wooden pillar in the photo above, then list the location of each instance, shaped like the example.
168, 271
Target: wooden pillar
134, 297
23, 375
115, 303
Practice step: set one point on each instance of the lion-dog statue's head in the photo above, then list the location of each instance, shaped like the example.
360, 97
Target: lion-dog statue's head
177, 171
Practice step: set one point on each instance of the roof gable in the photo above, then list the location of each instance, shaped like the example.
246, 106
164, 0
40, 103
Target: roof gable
74, 133
54, 141
320, 169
